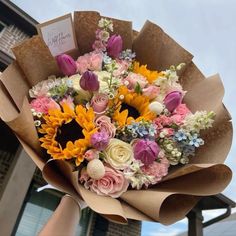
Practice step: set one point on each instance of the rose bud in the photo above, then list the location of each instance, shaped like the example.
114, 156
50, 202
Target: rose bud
91, 154
173, 100
114, 46
66, 64
146, 151
89, 81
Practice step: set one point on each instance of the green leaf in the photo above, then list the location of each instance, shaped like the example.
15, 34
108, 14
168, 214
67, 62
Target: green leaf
138, 89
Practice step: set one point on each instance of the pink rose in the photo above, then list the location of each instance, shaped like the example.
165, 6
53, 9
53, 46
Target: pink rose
82, 63
132, 79
95, 61
44, 104
99, 102
151, 91
112, 184
89, 61
104, 124
182, 110
91, 154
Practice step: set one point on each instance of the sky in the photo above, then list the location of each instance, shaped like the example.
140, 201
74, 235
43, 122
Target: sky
205, 28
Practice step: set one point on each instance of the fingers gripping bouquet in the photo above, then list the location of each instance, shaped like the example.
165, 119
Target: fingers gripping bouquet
130, 115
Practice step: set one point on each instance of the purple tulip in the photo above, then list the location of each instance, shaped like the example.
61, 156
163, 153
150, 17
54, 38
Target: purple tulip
173, 100
146, 151
89, 81
100, 140
114, 46
66, 64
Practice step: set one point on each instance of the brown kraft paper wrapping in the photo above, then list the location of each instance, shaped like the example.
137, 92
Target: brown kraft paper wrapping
184, 185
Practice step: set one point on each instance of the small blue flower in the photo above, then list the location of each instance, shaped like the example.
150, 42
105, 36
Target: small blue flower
142, 131
152, 131
180, 135
189, 150
127, 55
106, 59
195, 140
69, 83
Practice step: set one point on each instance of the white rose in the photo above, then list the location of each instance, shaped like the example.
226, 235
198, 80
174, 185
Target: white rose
103, 78
118, 154
82, 94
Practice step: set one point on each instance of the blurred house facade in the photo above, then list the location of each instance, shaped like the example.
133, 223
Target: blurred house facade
23, 211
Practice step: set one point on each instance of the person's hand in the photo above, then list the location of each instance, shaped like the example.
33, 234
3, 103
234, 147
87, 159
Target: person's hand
80, 202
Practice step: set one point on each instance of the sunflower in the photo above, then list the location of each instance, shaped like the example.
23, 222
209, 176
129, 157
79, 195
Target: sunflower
151, 76
67, 132
130, 106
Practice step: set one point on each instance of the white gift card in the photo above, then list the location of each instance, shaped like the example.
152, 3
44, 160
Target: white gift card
58, 34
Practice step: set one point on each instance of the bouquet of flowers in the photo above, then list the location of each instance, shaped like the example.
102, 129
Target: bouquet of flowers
118, 120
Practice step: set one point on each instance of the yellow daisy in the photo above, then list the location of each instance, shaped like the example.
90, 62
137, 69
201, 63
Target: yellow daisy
67, 132
131, 106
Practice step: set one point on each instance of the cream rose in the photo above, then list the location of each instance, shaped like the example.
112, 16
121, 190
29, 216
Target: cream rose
103, 77
118, 154
81, 94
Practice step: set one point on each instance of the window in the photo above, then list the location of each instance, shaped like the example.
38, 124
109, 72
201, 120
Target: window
2, 26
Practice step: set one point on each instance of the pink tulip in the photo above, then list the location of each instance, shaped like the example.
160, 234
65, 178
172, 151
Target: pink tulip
89, 81
173, 100
114, 46
66, 64
146, 151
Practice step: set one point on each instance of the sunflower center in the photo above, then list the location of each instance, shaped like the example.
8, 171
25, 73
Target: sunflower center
131, 110
69, 132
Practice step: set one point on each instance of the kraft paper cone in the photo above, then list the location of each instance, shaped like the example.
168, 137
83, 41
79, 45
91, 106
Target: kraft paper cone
156, 49
182, 187
17, 87
35, 60
201, 180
